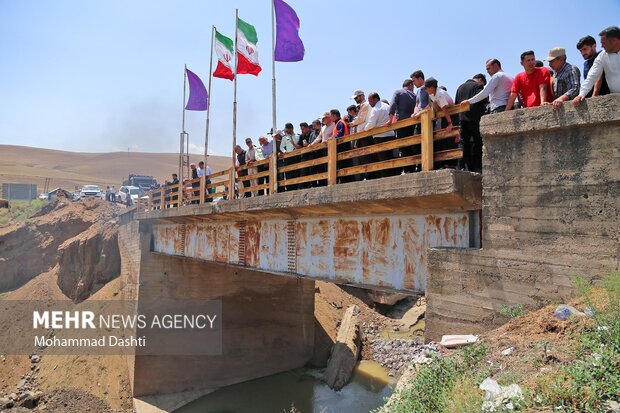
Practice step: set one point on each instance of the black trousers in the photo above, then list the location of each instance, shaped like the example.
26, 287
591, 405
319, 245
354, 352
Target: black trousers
364, 159
384, 156
408, 150
471, 143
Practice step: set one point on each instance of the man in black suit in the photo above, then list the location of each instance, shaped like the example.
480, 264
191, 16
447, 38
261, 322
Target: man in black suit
471, 141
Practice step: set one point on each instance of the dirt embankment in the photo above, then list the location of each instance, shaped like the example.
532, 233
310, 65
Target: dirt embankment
77, 241
67, 251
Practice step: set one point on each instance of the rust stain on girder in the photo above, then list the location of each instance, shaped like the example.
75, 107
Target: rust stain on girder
252, 243
346, 247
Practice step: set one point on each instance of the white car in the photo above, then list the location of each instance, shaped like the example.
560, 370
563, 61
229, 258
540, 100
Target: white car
133, 191
91, 191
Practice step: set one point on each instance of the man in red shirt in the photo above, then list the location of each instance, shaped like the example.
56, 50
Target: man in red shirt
531, 86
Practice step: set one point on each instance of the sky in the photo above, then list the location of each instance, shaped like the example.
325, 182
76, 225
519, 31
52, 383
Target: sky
104, 76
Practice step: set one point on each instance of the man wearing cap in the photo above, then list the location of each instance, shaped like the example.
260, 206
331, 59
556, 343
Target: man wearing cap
362, 111
532, 85
327, 130
608, 61
358, 125
566, 79
288, 144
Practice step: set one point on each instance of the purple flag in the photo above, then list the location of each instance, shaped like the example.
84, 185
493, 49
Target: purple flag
198, 97
289, 47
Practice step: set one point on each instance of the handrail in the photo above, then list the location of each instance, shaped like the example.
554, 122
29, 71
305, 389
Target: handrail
320, 162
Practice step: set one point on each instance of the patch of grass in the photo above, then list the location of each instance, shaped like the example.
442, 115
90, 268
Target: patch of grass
512, 312
434, 387
20, 211
465, 396
594, 377
507, 377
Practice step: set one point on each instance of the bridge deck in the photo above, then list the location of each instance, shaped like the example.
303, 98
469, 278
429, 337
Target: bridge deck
372, 234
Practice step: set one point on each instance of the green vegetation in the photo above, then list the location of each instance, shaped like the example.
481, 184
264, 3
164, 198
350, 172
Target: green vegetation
512, 312
442, 386
584, 384
20, 211
594, 377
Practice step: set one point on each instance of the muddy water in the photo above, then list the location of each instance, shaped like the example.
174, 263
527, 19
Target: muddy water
303, 389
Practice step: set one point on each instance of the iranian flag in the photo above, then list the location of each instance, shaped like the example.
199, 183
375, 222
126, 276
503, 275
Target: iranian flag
224, 50
247, 53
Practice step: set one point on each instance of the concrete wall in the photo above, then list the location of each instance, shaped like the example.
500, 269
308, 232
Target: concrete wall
551, 210
268, 323
129, 248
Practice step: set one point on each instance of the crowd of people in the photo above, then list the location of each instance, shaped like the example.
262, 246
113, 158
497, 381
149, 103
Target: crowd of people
535, 86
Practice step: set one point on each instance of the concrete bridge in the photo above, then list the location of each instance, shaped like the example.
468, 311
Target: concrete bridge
543, 210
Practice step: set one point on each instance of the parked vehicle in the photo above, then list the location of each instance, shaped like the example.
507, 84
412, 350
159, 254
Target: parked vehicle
91, 191
144, 182
132, 191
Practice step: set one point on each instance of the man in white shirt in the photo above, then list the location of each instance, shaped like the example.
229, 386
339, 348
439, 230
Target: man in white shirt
441, 101
362, 111
498, 88
380, 116
250, 157
608, 61
327, 130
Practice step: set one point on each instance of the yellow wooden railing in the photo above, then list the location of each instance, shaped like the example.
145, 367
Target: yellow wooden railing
229, 184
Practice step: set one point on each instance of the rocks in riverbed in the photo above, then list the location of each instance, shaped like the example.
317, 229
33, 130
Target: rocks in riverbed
397, 354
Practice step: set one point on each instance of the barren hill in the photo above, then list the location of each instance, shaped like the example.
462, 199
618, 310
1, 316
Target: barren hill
23, 164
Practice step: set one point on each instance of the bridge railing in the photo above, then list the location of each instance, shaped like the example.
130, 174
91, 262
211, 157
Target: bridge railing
322, 164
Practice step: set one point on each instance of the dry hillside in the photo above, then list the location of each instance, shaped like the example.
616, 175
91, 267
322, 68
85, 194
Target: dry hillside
23, 164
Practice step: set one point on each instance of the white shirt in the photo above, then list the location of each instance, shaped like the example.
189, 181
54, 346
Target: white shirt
498, 90
250, 154
379, 116
442, 98
604, 62
362, 117
327, 131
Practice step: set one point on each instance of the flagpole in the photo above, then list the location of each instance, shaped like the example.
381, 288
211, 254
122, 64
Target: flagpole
273, 68
235, 97
182, 137
208, 102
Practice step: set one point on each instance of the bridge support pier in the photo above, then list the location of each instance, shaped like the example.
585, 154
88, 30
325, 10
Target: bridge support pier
268, 323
